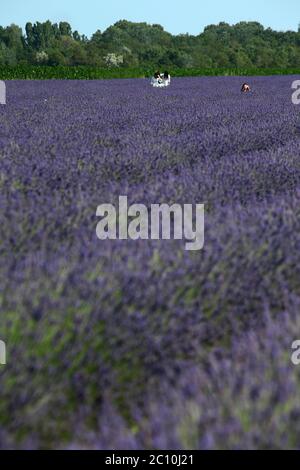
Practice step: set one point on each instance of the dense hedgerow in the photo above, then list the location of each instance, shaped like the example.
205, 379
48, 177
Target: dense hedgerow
125, 344
38, 72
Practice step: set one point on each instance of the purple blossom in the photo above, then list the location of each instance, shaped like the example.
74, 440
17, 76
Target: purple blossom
140, 344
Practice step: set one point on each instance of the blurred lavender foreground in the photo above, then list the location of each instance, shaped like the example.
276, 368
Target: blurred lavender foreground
141, 344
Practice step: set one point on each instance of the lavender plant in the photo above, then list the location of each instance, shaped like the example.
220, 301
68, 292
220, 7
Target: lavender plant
140, 344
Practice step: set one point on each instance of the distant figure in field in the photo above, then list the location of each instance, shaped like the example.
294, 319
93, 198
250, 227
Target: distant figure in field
158, 76
161, 80
245, 88
166, 78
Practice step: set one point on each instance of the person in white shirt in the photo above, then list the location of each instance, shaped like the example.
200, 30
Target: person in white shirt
156, 80
161, 80
166, 78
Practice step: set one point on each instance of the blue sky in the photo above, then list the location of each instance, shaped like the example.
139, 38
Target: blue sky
177, 16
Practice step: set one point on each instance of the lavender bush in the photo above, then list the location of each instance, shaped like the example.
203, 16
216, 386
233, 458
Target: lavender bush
140, 344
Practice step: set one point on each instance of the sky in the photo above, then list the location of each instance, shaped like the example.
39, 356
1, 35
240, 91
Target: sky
176, 16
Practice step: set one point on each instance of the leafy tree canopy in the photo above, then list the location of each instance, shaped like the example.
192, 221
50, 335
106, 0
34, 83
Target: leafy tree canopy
245, 44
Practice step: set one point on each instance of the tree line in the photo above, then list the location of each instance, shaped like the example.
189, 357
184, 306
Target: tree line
127, 44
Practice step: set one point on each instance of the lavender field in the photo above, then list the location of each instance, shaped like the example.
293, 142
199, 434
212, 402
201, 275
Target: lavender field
141, 344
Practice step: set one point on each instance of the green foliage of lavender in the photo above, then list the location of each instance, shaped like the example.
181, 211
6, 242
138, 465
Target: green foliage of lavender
140, 344
39, 72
